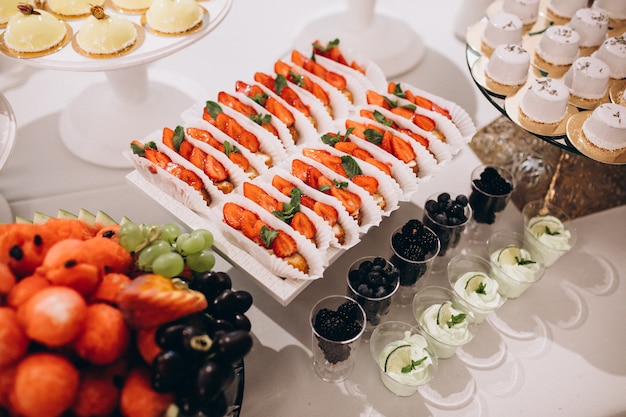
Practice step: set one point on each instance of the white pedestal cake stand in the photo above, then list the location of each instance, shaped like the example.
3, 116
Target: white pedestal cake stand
388, 41
98, 125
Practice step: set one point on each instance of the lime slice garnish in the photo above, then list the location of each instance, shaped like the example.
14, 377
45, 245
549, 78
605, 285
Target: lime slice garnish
474, 283
398, 359
544, 226
444, 315
509, 255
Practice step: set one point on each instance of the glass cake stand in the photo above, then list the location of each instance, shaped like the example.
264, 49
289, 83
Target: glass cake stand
391, 43
98, 124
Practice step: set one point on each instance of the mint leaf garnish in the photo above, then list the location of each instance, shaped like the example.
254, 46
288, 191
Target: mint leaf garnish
414, 364
456, 319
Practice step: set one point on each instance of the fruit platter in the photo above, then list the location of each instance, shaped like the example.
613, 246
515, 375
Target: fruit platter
106, 318
290, 168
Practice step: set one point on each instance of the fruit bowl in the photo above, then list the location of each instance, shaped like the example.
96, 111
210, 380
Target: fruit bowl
117, 319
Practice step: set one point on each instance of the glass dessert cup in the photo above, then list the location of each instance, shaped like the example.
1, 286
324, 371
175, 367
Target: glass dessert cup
412, 272
381, 281
445, 319
405, 359
514, 267
490, 195
333, 360
548, 231
471, 278
447, 215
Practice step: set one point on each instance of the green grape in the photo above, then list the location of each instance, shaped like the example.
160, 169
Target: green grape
206, 235
169, 264
170, 232
189, 244
130, 236
151, 231
148, 254
201, 262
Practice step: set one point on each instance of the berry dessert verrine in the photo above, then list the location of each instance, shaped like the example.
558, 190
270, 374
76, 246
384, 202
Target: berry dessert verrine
548, 231
471, 277
414, 249
337, 324
405, 358
446, 319
514, 267
447, 216
492, 187
372, 281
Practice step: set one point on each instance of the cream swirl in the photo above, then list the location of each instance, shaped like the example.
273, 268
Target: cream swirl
455, 334
525, 270
486, 297
419, 373
550, 232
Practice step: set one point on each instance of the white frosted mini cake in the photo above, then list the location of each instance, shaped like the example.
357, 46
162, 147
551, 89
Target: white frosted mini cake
526, 10
558, 45
502, 28
545, 101
105, 34
72, 8
606, 127
9, 7
174, 16
508, 65
591, 25
613, 52
587, 78
616, 9
33, 30
565, 8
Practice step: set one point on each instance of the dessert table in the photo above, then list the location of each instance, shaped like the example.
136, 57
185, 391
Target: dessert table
556, 351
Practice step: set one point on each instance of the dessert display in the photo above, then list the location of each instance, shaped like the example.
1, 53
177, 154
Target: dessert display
591, 25
606, 127
613, 53
545, 101
508, 65
72, 9
470, 277
447, 217
9, 7
513, 266
415, 248
491, 189
558, 45
140, 321
565, 9
545, 231
173, 17
403, 356
526, 10
34, 32
446, 320
337, 324
104, 34
372, 281
587, 79
502, 28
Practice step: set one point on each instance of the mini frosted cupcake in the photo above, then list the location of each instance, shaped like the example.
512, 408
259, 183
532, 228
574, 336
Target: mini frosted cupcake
105, 35
34, 31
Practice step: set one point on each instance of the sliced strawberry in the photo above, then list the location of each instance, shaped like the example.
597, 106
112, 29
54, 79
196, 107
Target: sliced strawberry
303, 225
281, 112
346, 146
367, 182
284, 245
199, 134
185, 149
424, 122
401, 149
233, 215
386, 168
248, 225
282, 185
235, 104
214, 169
197, 157
325, 211
349, 200
336, 80
240, 160
261, 197
167, 137
403, 112
375, 98
300, 169
151, 300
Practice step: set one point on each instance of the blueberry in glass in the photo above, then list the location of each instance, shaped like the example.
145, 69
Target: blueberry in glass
447, 217
491, 189
371, 282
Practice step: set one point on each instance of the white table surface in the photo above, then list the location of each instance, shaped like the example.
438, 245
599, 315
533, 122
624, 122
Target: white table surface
556, 351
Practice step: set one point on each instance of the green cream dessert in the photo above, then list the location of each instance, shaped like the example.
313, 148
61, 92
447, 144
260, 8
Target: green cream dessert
480, 291
447, 327
515, 269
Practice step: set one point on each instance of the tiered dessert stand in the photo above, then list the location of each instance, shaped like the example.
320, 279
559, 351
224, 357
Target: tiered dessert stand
99, 123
